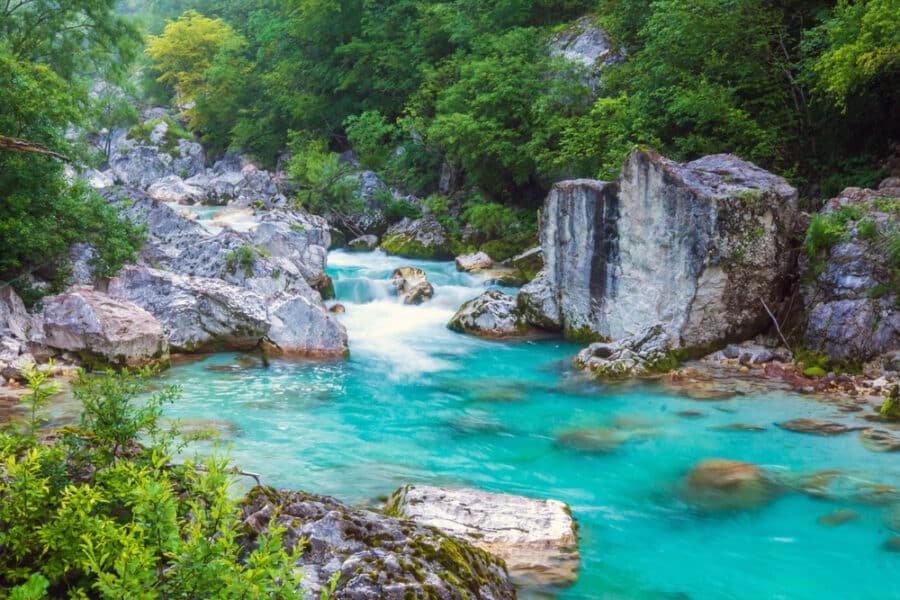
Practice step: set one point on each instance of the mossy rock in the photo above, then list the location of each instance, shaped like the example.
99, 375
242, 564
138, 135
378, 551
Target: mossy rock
890, 410
408, 247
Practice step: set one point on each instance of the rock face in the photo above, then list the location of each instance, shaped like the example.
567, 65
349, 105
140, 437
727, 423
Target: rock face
234, 288
196, 313
16, 328
689, 247
412, 285
473, 263
536, 538
423, 238
586, 44
852, 295
634, 356
493, 314
377, 556
113, 329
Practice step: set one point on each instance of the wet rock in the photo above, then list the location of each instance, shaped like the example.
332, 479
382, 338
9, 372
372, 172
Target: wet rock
337, 309
412, 285
640, 355
689, 414
838, 517
364, 243
879, 440
745, 427
536, 538
493, 314
423, 238
597, 440
719, 484
300, 327
473, 263
196, 313
892, 544
94, 324
538, 303
725, 223
818, 427
377, 556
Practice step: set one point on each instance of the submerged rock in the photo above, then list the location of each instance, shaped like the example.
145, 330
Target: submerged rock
376, 556
412, 285
690, 247
818, 426
493, 314
536, 538
423, 238
473, 263
719, 484
838, 517
101, 327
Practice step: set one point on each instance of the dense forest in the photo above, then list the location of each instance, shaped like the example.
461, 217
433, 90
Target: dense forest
805, 88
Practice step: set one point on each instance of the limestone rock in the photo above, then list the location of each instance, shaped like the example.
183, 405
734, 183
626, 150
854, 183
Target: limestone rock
539, 304
851, 299
412, 285
818, 426
691, 247
473, 263
634, 356
302, 327
173, 189
528, 263
719, 484
196, 313
364, 243
14, 318
115, 330
493, 314
422, 238
536, 538
377, 556
588, 45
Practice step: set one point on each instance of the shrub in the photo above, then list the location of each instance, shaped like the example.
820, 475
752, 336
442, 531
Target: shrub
98, 514
824, 232
244, 257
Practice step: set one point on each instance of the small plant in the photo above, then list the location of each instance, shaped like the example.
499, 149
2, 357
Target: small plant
40, 392
867, 229
243, 258
824, 232
890, 410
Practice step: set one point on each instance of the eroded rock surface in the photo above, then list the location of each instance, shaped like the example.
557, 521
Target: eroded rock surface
634, 356
377, 556
493, 314
536, 538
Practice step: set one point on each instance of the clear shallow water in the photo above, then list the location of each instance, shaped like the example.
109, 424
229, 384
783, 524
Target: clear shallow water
418, 403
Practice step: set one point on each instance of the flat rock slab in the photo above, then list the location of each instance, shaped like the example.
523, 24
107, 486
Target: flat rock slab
818, 426
536, 538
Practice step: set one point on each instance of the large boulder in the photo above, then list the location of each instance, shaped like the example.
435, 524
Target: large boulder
14, 318
536, 538
423, 238
493, 314
233, 182
196, 313
101, 327
851, 291
302, 327
692, 247
473, 263
174, 189
374, 555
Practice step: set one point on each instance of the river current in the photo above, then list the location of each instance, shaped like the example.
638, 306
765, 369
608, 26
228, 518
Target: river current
417, 403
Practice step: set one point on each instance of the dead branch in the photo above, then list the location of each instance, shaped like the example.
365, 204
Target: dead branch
18, 145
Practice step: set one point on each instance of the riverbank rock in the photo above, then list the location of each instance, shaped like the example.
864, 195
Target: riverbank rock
423, 238
536, 538
690, 247
851, 294
364, 243
718, 484
412, 285
196, 313
818, 427
473, 263
645, 354
493, 314
377, 556
102, 328
369, 217
301, 327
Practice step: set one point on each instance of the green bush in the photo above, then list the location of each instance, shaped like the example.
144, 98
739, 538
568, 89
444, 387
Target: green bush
102, 511
140, 133
824, 232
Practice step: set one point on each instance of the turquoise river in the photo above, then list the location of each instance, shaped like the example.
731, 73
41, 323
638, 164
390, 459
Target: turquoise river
418, 403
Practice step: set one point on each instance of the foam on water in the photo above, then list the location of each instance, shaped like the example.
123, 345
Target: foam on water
419, 403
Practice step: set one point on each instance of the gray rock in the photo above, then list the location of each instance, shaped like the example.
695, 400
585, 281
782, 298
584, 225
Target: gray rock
140, 166
90, 322
81, 257
589, 46
14, 359
690, 247
14, 318
529, 263
174, 189
493, 314
849, 294
473, 263
196, 313
538, 303
301, 326
364, 243
423, 238
412, 285
640, 355
377, 556
536, 538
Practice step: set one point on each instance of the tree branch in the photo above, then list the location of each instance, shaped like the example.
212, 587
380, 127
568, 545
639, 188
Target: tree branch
19, 145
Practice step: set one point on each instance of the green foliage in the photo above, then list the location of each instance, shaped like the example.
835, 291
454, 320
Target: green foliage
814, 372
890, 408
140, 133
97, 514
824, 232
396, 209
243, 258
372, 137
324, 182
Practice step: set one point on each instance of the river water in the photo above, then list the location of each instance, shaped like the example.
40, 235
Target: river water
417, 403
